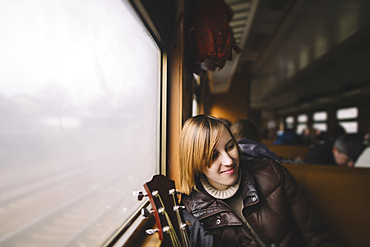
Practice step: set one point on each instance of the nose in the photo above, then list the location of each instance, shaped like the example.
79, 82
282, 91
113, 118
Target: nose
226, 159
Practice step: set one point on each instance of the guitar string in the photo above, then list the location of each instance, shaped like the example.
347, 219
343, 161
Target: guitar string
184, 235
174, 238
172, 233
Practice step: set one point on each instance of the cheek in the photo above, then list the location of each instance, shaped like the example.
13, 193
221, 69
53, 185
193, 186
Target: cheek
234, 154
206, 168
342, 159
212, 169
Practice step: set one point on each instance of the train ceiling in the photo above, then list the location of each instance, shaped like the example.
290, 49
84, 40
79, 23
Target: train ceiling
298, 52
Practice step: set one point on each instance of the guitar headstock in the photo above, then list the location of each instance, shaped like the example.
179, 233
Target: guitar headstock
163, 199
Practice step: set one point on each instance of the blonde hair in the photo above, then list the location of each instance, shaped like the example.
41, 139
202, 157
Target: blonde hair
198, 139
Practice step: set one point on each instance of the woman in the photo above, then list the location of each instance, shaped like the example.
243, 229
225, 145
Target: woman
251, 203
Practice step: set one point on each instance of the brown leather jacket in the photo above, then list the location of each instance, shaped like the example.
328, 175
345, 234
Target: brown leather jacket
274, 206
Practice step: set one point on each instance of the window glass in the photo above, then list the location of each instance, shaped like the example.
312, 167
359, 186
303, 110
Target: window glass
79, 101
347, 113
350, 127
289, 122
320, 116
197, 79
195, 106
300, 128
302, 118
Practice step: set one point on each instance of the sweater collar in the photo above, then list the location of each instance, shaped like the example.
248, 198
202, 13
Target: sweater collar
201, 200
220, 194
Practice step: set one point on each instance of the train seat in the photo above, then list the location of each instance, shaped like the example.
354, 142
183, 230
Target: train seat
340, 195
287, 151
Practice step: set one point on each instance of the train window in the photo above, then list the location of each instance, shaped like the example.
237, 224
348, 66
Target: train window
302, 118
195, 105
289, 122
80, 125
350, 127
197, 79
302, 123
319, 119
347, 113
320, 116
195, 109
301, 128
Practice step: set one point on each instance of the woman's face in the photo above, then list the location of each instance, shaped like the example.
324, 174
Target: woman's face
224, 168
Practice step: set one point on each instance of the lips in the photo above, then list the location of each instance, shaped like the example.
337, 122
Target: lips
229, 171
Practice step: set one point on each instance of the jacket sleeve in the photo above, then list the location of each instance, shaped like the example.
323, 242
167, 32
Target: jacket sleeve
313, 231
198, 236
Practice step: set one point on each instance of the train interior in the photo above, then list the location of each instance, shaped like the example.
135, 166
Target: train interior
95, 95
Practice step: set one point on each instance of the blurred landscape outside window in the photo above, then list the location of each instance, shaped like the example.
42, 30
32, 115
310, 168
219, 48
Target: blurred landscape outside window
79, 103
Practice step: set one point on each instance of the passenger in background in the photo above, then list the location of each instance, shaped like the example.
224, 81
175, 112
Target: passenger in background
227, 122
232, 202
322, 153
244, 128
264, 132
289, 137
312, 136
345, 151
272, 129
248, 137
347, 148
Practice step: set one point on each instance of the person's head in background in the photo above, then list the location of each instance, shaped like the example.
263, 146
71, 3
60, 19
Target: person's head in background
226, 121
245, 128
338, 131
347, 148
310, 135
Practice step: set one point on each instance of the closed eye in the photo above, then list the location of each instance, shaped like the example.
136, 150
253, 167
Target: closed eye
230, 145
214, 155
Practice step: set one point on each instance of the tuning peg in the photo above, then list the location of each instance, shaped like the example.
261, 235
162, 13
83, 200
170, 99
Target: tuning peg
146, 213
151, 231
140, 195
174, 192
161, 210
177, 207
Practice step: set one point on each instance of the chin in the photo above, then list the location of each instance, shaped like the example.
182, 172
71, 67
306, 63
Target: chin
233, 180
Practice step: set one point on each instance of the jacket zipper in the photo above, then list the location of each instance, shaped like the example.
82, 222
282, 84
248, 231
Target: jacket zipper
258, 239
254, 233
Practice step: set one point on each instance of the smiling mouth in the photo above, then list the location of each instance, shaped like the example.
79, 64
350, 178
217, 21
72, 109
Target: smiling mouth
229, 171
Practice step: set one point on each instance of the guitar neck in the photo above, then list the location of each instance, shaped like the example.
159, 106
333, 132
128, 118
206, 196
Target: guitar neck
163, 198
